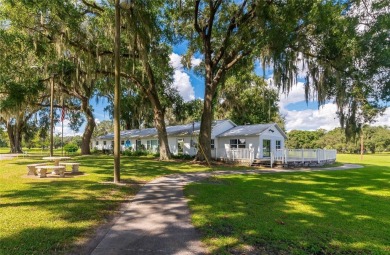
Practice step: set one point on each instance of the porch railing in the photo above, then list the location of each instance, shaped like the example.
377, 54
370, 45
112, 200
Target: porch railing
281, 155
319, 155
236, 154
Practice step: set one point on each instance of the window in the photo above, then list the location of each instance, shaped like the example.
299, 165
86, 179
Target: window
212, 144
151, 145
278, 144
122, 142
97, 142
237, 143
104, 143
180, 146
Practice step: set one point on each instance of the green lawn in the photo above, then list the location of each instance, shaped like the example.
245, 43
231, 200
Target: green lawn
38, 151
47, 216
331, 212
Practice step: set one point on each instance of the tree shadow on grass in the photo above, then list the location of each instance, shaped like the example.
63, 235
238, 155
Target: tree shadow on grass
139, 168
343, 212
58, 212
39, 240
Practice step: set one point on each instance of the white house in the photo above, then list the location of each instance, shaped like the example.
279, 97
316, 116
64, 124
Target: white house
255, 141
228, 141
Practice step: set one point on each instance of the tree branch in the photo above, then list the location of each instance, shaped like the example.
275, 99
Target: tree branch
196, 15
232, 25
92, 5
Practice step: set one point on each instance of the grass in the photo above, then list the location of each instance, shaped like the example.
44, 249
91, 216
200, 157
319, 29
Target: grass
48, 216
38, 151
330, 212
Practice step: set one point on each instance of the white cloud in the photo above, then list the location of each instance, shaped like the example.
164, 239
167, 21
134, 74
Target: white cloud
383, 120
311, 119
175, 61
181, 80
195, 61
295, 95
308, 119
67, 130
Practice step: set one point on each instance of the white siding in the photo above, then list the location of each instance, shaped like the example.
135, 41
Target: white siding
250, 142
217, 130
187, 149
273, 136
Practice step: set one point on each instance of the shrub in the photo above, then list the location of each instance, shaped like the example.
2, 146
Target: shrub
95, 151
183, 156
71, 147
135, 153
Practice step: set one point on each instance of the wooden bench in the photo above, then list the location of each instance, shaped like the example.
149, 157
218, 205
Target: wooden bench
32, 170
42, 170
75, 166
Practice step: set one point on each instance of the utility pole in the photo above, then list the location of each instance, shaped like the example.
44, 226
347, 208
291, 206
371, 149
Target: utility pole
361, 144
117, 95
51, 114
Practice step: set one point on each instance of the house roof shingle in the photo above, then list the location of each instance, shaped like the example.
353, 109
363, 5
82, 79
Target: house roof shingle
178, 130
249, 130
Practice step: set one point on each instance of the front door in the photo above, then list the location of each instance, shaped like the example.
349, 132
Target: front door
180, 146
138, 145
266, 148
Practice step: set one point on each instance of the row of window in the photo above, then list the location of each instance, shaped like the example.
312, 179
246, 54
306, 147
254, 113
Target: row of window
241, 143
149, 143
234, 143
105, 142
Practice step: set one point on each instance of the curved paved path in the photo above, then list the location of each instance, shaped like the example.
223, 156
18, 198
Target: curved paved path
157, 219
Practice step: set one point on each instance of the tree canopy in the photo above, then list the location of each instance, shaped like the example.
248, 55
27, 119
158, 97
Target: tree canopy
341, 48
319, 39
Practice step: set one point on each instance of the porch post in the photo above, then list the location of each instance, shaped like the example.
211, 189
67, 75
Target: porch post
285, 155
318, 156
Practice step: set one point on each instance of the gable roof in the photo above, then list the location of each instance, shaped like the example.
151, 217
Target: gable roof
178, 130
251, 130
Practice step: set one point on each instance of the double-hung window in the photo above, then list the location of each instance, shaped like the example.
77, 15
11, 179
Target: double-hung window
212, 145
151, 145
278, 144
237, 143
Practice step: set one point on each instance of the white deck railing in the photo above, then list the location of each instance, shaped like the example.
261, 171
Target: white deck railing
283, 155
289, 155
236, 154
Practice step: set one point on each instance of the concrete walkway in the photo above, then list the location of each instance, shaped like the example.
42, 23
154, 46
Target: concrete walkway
157, 219
9, 155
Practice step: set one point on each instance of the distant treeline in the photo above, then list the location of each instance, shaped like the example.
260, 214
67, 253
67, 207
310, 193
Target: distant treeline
375, 139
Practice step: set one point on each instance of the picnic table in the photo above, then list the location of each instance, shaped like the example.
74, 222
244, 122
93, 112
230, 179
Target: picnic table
42, 170
56, 159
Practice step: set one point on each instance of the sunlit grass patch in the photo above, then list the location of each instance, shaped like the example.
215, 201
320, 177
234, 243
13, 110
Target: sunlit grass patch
330, 212
47, 216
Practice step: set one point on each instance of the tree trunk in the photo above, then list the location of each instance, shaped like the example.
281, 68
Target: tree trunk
159, 122
152, 94
15, 137
86, 139
204, 150
165, 153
